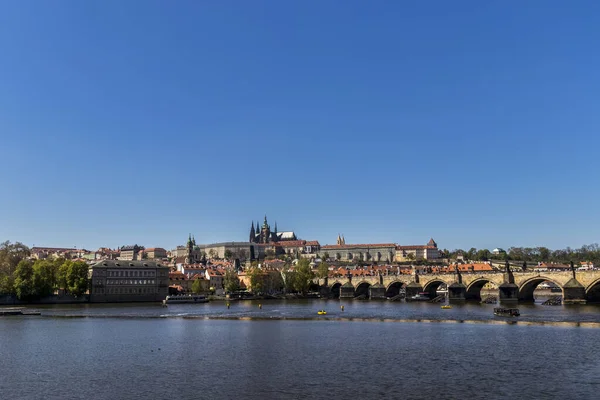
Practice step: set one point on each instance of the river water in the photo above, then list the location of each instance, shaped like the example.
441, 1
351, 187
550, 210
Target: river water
285, 351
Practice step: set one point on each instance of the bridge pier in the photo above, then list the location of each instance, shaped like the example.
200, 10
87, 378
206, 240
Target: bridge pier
347, 291
412, 289
573, 292
457, 292
508, 293
377, 292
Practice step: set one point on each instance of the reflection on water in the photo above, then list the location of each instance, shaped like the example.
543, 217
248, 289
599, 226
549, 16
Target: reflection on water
299, 309
163, 358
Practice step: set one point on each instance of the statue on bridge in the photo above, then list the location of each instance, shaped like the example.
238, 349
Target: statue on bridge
572, 269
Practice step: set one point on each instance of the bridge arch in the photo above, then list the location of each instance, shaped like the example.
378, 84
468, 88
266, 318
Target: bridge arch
474, 288
335, 289
432, 286
592, 292
527, 287
362, 289
393, 289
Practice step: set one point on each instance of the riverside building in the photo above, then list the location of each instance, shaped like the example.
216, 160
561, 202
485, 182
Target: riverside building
115, 281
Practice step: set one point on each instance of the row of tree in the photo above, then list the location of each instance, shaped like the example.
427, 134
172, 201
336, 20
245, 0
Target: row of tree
30, 280
587, 253
290, 279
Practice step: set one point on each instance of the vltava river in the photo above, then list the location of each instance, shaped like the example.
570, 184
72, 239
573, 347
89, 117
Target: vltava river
367, 351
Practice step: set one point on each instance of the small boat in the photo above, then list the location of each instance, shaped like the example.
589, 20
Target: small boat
185, 298
446, 307
423, 296
322, 312
507, 312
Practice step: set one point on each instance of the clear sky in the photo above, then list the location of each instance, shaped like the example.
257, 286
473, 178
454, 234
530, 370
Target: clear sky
475, 123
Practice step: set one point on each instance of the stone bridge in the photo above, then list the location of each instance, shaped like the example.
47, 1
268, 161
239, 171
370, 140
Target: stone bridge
576, 287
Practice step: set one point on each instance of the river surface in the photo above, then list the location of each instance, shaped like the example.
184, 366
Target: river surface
370, 350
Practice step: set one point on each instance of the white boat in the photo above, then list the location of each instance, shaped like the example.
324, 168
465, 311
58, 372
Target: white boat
423, 296
185, 298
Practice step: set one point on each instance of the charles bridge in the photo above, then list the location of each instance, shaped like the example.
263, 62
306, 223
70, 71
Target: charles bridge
577, 287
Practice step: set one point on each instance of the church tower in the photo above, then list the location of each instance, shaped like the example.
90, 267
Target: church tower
252, 233
265, 233
190, 250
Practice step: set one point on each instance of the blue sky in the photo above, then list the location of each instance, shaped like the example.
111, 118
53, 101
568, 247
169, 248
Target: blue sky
475, 123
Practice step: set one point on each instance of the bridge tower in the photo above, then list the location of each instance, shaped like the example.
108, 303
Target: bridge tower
508, 292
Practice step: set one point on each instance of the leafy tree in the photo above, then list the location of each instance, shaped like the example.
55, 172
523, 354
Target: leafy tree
24, 286
44, 277
228, 254
323, 270
257, 283
231, 281
288, 278
483, 255
77, 278
326, 256
10, 256
197, 286
304, 275
61, 275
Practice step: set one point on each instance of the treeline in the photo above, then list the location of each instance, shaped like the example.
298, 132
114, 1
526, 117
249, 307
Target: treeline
30, 280
587, 253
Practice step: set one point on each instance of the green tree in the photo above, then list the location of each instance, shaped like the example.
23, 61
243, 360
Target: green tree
24, 286
257, 283
44, 278
10, 256
231, 281
483, 255
304, 275
288, 279
228, 254
61, 275
197, 286
326, 256
323, 270
77, 278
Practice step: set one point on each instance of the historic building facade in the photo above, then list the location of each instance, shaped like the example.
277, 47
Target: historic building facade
384, 252
114, 281
418, 252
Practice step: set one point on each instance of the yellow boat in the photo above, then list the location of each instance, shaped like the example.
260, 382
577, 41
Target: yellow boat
322, 312
446, 307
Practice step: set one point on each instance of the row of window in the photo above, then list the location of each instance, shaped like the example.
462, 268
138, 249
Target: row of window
132, 273
130, 281
128, 291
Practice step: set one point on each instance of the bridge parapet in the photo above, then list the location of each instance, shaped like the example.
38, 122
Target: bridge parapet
525, 281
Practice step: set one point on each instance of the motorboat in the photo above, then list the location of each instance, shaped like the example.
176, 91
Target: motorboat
422, 296
185, 298
446, 307
507, 312
322, 312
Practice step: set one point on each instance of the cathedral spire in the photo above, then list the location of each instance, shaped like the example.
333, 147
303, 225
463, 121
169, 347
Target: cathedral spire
252, 233
275, 227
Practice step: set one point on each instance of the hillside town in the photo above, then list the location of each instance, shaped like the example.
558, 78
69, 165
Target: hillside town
269, 263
